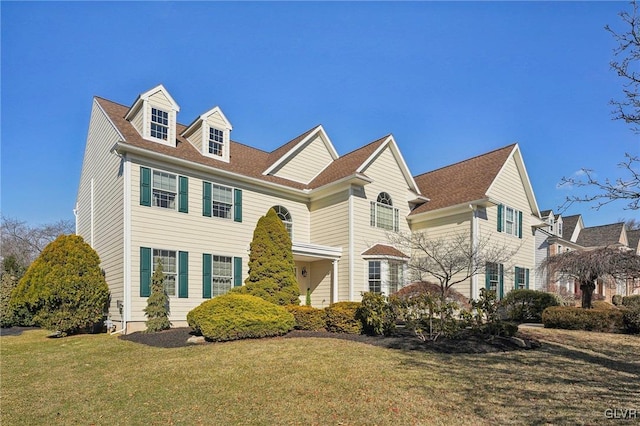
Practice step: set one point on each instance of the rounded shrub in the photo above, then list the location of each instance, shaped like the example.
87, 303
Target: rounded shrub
616, 299
631, 301
341, 317
601, 304
376, 315
571, 318
527, 305
239, 316
307, 317
631, 319
64, 288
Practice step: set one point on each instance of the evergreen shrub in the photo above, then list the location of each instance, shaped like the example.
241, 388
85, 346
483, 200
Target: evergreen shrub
376, 315
307, 317
239, 316
631, 319
573, 318
157, 310
601, 304
64, 289
616, 299
524, 305
341, 317
630, 301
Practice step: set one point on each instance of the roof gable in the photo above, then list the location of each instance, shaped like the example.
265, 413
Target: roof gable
137, 104
462, 182
603, 236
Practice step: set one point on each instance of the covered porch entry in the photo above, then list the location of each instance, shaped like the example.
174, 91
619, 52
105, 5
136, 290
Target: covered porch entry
317, 272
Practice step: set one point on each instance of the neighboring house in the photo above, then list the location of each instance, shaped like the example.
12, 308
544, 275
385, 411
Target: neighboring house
153, 189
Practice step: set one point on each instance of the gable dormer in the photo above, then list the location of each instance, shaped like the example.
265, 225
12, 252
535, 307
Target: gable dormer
210, 134
154, 116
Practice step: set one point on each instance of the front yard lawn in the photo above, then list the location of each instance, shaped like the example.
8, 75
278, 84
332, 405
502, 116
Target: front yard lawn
99, 379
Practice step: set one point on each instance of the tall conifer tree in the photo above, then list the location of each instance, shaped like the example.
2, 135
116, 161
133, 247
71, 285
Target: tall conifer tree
157, 310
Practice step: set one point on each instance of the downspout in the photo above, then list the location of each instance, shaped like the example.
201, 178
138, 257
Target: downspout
126, 212
475, 294
351, 248
75, 215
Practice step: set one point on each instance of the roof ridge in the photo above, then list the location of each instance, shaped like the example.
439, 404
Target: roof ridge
468, 159
305, 133
366, 145
602, 226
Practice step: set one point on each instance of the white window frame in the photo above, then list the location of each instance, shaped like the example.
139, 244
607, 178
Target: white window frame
494, 269
384, 203
285, 216
169, 269
513, 222
374, 276
384, 282
157, 191
216, 204
225, 282
521, 278
159, 124
216, 142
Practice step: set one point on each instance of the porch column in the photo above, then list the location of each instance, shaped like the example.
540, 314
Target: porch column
334, 282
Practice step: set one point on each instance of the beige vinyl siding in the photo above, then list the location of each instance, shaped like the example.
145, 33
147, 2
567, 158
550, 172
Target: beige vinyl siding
161, 228
138, 121
509, 190
444, 228
307, 163
159, 100
104, 168
330, 227
215, 120
320, 275
387, 177
196, 137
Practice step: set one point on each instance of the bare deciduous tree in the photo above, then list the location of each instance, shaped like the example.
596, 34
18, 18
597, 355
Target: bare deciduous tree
450, 260
628, 52
587, 266
23, 242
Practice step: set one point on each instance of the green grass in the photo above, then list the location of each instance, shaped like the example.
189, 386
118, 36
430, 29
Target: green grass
102, 380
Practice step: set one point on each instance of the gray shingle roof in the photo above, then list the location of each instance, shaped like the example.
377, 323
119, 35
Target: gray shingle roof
601, 236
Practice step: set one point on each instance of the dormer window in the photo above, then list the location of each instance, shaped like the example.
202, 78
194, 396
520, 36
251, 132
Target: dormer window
159, 124
216, 141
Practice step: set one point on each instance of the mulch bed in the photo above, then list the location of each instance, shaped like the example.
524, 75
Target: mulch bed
401, 339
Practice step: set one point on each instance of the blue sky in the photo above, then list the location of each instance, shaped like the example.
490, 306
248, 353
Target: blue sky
450, 80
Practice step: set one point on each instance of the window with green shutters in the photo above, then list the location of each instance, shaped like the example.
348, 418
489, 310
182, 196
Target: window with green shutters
494, 278
509, 221
164, 190
220, 274
175, 267
221, 201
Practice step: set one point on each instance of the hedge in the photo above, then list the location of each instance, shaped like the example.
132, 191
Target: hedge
572, 318
524, 305
239, 316
631, 301
341, 318
631, 319
307, 317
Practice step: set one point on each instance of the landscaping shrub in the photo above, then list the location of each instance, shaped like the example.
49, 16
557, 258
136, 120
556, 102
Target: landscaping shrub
340, 317
376, 314
7, 283
64, 288
631, 319
157, 310
631, 301
571, 318
527, 305
617, 299
307, 317
239, 316
601, 304
434, 290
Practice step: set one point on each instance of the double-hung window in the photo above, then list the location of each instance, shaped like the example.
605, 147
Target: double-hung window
383, 214
164, 190
375, 276
169, 268
286, 219
521, 278
222, 201
509, 221
159, 124
221, 275
216, 141
395, 275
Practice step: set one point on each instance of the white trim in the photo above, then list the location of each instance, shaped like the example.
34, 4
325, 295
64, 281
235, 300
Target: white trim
203, 119
145, 97
475, 291
390, 142
334, 282
351, 246
289, 154
126, 285
316, 251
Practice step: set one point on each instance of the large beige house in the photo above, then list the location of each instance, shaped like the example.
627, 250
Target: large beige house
152, 188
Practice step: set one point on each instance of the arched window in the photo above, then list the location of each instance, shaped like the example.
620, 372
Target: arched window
383, 215
286, 219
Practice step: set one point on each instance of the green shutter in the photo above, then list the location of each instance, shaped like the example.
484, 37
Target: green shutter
206, 276
501, 283
145, 186
183, 274
519, 224
206, 199
237, 205
526, 278
237, 271
515, 281
487, 276
500, 208
183, 194
145, 272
